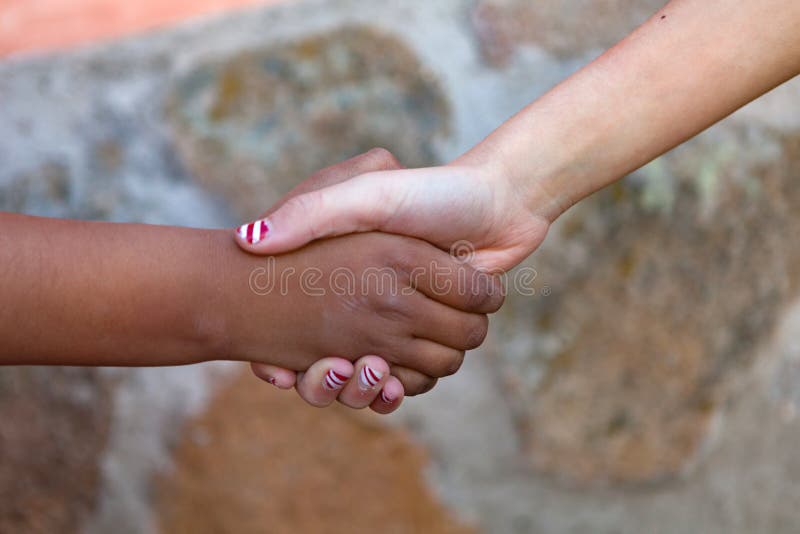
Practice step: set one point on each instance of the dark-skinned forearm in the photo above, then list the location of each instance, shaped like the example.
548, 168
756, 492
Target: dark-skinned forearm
88, 293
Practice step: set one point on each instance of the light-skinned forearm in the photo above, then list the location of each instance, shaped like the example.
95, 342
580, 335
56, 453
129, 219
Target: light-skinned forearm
86, 293
690, 65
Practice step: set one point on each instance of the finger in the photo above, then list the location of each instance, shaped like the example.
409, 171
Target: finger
448, 326
321, 383
414, 382
277, 376
451, 280
430, 358
377, 159
390, 397
356, 205
370, 376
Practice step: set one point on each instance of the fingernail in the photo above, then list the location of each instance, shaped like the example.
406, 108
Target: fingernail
368, 378
334, 380
385, 398
254, 232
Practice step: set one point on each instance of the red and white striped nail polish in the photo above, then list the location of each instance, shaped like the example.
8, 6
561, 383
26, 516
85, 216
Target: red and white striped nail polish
368, 378
334, 380
254, 232
385, 398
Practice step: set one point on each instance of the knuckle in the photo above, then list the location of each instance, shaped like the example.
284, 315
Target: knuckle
400, 265
317, 403
477, 299
497, 295
383, 158
302, 203
351, 404
397, 256
486, 294
477, 333
410, 257
419, 386
305, 206
452, 364
393, 307
497, 302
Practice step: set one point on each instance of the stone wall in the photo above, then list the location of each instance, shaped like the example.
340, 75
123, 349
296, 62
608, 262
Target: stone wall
651, 384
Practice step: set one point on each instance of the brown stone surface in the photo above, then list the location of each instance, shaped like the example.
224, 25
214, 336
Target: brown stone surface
259, 460
253, 125
562, 28
53, 428
662, 288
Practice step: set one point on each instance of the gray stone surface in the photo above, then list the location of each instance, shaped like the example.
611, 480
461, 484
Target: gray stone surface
652, 384
561, 28
661, 290
250, 124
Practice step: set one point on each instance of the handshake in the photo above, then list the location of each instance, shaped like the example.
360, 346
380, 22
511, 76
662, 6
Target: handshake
316, 313
390, 305
347, 289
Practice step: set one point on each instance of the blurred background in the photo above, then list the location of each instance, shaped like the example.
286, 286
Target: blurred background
652, 383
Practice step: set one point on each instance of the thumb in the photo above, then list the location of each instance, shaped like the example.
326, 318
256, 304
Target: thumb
357, 205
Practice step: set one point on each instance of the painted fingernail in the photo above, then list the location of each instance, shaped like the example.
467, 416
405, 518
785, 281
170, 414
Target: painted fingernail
385, 398
254, 232
368, 378
334, 380
272, 381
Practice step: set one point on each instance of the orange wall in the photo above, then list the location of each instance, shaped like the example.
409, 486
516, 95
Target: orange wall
50, 24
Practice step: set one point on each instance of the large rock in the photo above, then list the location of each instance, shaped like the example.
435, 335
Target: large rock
53, 428
252, 125
654, 295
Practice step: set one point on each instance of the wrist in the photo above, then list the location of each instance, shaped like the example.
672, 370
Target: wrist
214, 310
234, 286
524, 180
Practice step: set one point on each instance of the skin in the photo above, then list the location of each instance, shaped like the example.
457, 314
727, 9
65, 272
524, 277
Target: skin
690, 65
309, 384
140, 295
